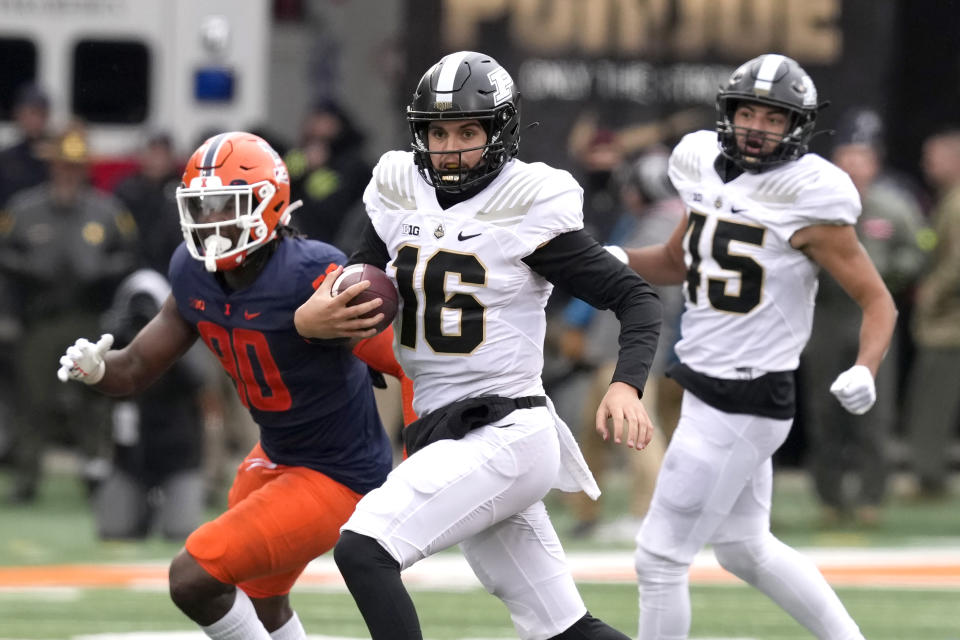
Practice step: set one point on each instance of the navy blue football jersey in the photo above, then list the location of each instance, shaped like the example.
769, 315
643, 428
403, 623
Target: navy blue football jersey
313, 400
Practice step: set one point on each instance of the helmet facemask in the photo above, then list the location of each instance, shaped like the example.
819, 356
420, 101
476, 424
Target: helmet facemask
775, 81
791, 145
466, 86
495, 152
222, 242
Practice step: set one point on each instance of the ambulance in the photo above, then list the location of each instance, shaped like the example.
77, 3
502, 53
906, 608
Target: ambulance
128, 68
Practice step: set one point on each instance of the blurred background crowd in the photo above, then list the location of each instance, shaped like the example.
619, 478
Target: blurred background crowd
88, 218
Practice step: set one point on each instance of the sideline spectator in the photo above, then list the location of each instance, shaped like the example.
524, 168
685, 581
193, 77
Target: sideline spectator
64, 246
21, 165
933, 400
150, 196
329, 173
652, 210
848, 455
156, 481
567, 377
597, 165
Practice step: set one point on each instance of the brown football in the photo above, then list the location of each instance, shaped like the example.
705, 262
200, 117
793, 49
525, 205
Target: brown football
380, 287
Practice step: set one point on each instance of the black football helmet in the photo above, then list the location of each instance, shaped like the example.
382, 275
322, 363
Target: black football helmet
465, 86
776, 81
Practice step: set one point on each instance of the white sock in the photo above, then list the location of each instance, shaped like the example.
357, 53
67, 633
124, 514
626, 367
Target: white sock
239, 623
291, 630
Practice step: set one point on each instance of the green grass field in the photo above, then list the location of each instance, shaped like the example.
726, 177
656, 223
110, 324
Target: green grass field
59, 530
718, 612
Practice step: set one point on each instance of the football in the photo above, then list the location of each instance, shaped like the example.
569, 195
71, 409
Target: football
380, 287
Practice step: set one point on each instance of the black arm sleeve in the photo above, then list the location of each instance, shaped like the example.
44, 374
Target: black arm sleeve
371, 249
580, 266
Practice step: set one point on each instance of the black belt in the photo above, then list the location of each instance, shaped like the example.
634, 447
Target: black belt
455, 420
772, 395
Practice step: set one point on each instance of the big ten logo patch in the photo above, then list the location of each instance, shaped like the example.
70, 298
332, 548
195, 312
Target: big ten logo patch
410, 229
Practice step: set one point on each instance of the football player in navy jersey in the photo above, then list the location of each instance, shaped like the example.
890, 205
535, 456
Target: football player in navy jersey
236, 282
762, 217
475, 240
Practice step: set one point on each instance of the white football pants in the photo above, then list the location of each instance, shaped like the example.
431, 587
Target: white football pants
715, 486
484, 492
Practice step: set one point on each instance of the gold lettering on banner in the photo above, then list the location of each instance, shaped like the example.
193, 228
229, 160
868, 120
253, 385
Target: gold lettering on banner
616, 25
546, 26
594, 28
811, 40
808, 30
690, 37
743, 35
462, 18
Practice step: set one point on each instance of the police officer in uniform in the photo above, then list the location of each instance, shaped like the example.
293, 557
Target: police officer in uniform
65, 246
20, 168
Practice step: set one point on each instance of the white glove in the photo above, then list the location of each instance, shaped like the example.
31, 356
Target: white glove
855, 390
83, 360
618, 252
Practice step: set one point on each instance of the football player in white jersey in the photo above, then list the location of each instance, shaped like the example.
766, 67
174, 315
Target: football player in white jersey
762, 217
475, 239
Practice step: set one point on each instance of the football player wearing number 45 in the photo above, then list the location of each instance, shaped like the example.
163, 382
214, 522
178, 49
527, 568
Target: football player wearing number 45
474, 247
236, 282
762, 217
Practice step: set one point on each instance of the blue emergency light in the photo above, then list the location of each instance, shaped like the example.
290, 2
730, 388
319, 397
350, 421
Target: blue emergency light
213, 84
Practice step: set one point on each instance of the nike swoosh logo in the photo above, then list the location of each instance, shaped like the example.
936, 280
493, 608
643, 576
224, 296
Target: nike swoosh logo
735, 210
250, 316
462, 237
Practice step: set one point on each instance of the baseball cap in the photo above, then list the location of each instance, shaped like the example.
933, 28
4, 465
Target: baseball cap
69, 146
860, 126
32, 95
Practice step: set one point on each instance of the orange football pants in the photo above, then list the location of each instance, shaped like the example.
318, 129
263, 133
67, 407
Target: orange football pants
278, 519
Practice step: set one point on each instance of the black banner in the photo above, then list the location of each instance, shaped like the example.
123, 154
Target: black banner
648, 70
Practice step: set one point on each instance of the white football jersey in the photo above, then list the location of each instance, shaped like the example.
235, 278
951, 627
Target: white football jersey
471, 320
749, 294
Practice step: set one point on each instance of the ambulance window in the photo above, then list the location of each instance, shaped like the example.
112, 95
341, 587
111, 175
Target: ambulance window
19, 67
111, 81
